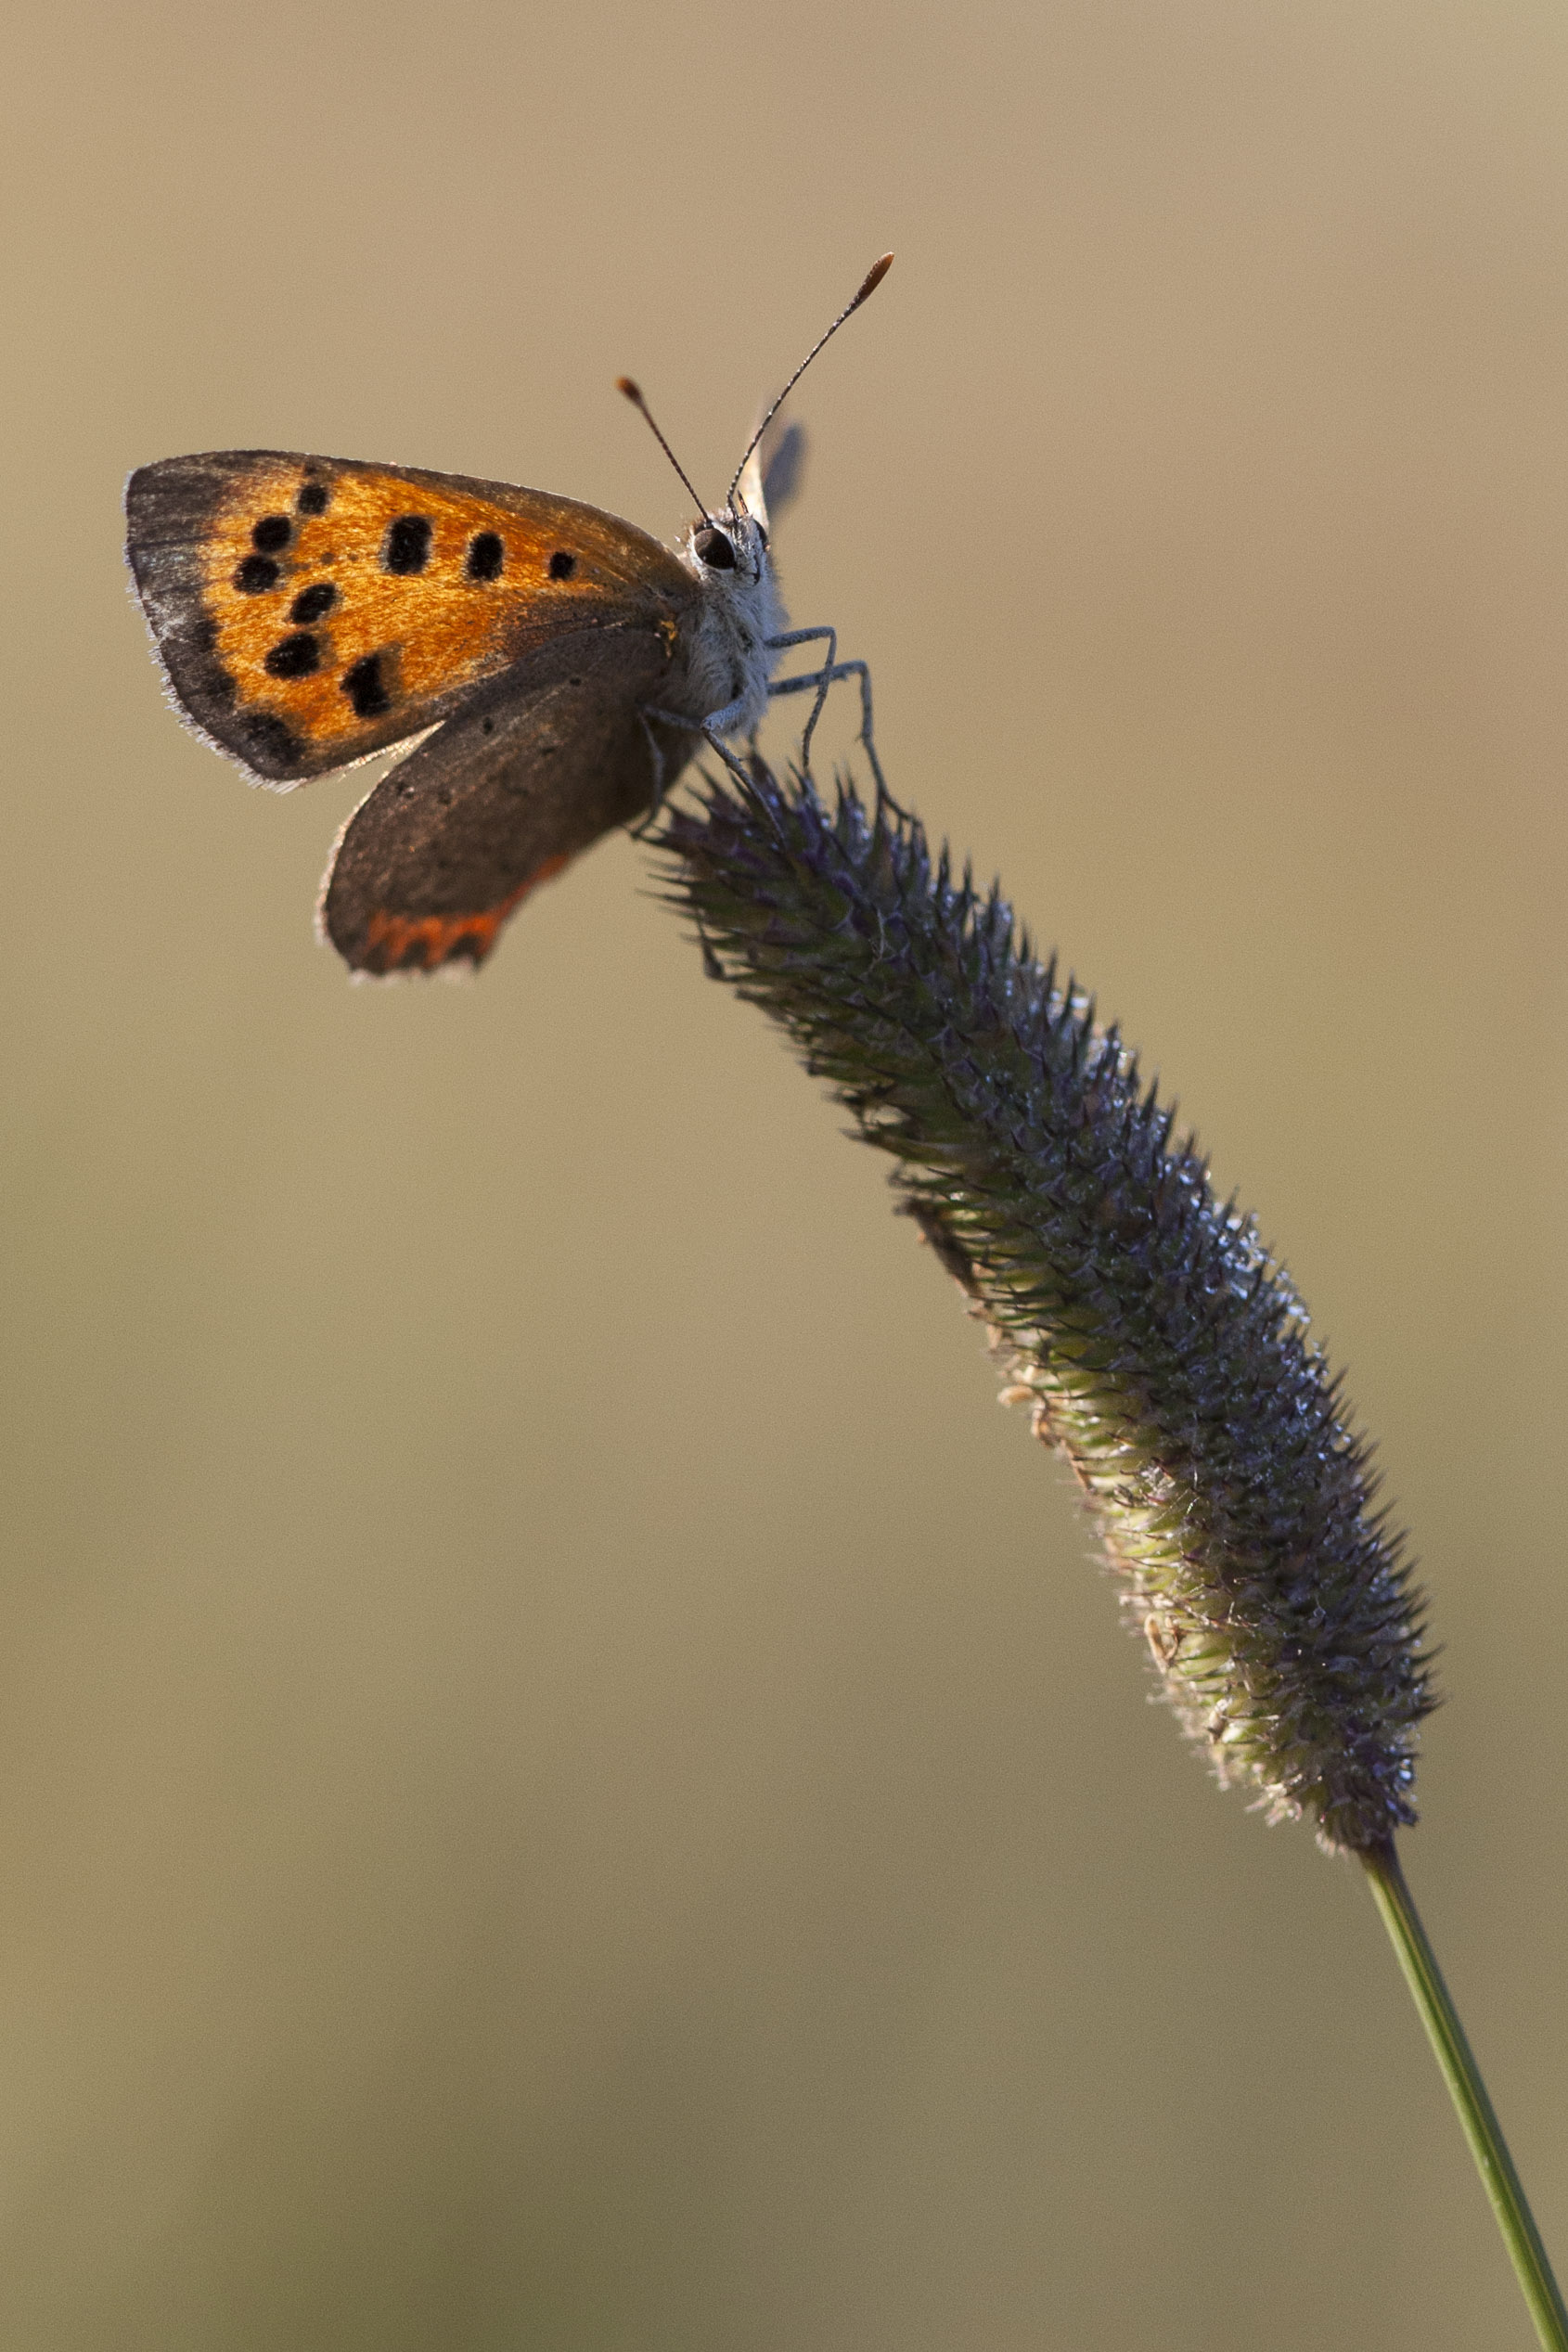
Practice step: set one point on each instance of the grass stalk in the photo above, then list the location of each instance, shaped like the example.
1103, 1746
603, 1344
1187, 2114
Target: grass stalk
1468, 2090
1157, 1342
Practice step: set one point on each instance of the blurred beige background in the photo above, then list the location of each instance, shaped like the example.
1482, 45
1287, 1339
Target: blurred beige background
566, 1779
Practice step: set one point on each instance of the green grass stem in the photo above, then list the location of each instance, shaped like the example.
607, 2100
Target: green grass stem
1469, 2093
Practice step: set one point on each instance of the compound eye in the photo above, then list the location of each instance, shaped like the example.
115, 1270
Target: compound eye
715, 550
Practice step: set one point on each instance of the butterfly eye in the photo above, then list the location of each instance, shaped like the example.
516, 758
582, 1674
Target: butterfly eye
715, 550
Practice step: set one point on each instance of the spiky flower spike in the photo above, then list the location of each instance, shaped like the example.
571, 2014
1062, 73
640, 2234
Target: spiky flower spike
1160, 1346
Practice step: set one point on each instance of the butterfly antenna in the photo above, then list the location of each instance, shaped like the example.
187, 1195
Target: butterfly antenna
868, 286
633, 393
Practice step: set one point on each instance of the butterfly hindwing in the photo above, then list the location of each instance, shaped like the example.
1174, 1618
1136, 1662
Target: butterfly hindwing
311, 611
430, 864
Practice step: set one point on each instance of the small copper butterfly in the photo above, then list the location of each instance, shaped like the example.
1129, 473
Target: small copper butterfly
558, 665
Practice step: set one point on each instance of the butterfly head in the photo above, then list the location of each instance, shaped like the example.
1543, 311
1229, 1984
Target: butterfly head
728, 651
727, 550
729, 547
726, 553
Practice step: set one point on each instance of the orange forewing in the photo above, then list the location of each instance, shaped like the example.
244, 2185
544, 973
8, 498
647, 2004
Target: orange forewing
354, 604
436, 629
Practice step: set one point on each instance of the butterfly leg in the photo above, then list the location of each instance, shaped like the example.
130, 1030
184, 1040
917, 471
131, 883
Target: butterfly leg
639, 832
822, 679
712, 731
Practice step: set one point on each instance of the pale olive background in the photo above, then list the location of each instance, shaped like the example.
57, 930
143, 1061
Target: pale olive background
567, 1780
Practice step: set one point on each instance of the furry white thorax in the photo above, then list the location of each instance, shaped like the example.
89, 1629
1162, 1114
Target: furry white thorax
725, 649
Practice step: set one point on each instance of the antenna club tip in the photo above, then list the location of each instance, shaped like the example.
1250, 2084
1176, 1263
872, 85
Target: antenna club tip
872, 279
633, 391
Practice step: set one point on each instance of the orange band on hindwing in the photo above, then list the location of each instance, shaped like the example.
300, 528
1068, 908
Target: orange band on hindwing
422, 942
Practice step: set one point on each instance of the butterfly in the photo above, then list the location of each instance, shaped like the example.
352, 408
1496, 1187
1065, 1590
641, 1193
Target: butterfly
551, 668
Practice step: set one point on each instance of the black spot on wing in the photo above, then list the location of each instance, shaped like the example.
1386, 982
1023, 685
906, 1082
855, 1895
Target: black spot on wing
313, 603
311, 499
365, 687
486, 554
256, 574
295, 657
562, 564
272, 533
205, 687
270, 739
408, 544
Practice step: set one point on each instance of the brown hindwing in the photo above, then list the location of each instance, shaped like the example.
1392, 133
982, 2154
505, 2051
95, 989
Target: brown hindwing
430, 864
310, 611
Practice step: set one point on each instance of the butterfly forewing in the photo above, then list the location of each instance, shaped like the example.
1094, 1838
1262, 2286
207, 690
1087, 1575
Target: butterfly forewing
311, 611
